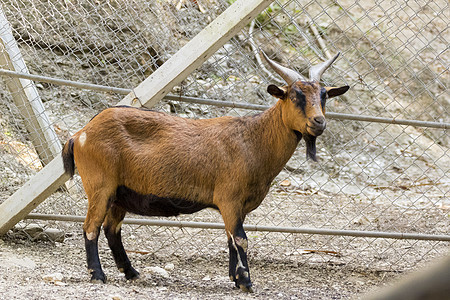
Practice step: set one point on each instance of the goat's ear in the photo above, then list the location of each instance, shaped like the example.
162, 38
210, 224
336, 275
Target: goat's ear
276, 91
336, 91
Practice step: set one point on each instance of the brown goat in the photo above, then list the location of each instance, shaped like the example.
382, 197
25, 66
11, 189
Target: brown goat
154, 164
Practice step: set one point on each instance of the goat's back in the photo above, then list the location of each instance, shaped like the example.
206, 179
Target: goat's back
155, 153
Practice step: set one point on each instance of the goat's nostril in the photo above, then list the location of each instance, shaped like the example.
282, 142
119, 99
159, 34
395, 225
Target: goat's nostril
319, 120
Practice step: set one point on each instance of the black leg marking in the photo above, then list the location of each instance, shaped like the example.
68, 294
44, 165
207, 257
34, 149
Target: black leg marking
114, 237
238, 259
233, 260
93, 261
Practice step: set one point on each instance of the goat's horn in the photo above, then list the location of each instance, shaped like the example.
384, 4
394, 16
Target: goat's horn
288, 75
315, 73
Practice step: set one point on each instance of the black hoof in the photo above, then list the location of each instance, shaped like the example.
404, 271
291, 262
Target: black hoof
242, 280
131, 274
246, 288
98, 277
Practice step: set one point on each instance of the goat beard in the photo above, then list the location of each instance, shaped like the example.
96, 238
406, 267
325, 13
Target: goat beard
310, 141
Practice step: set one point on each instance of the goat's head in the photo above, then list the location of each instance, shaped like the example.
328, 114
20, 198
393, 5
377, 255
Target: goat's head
303, 105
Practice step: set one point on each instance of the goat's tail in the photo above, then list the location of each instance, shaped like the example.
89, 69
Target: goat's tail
67, 156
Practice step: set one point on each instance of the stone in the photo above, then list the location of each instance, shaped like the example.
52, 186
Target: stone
33, 229
55, 278
54, 234
159, 271
169, 267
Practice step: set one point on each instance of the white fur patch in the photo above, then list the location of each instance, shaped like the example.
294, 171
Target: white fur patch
242, 242
82, 138
239, 264
91, 235
118, 227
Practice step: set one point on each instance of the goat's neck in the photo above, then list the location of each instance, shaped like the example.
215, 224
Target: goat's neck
278, 140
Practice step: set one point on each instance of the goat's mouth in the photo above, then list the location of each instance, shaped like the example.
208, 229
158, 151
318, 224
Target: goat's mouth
315, 130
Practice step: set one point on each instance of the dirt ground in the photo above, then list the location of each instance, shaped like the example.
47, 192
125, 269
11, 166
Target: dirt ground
30, 270
191, 263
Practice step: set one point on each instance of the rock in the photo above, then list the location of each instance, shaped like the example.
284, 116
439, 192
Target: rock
285, 183
159, 271
50, 234
33, 229
54, 234
169, 267
55, 278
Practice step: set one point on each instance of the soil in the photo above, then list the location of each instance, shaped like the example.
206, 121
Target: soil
31, 270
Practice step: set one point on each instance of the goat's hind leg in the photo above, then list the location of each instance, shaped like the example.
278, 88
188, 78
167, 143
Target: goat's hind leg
113, 228
98, 205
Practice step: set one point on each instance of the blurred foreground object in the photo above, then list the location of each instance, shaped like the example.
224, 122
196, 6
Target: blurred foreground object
431, 283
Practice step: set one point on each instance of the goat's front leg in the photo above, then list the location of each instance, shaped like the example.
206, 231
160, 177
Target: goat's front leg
238, 267
237, 244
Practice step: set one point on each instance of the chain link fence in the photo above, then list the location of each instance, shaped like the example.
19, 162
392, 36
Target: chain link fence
371, 175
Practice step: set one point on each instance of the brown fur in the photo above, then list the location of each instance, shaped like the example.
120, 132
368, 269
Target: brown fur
154, 153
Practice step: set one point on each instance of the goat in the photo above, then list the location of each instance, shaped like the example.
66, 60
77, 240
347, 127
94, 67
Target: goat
151, 163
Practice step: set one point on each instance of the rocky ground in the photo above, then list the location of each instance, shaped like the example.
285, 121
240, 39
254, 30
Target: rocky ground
57, 271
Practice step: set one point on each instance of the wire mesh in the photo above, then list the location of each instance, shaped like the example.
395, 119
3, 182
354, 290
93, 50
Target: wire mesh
370, 176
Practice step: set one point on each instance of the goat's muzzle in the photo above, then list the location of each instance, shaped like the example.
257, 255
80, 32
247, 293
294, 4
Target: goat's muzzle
316, 125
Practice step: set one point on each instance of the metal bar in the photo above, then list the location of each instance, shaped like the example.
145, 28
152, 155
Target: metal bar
209, 225
57, 81
416, 123
216, 102
122, 91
